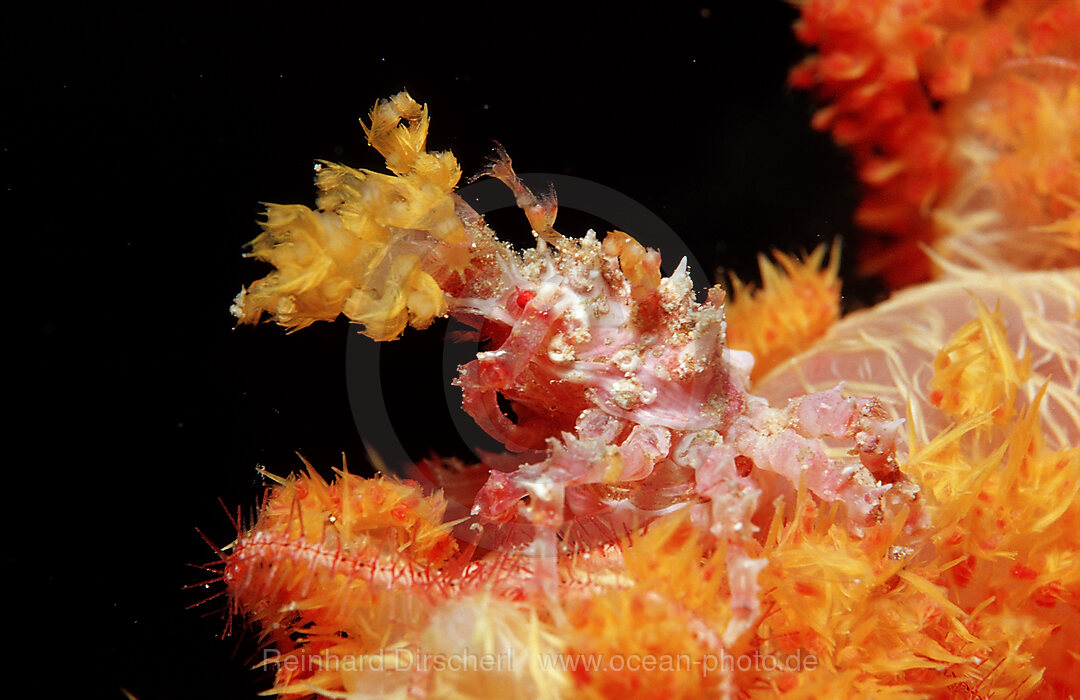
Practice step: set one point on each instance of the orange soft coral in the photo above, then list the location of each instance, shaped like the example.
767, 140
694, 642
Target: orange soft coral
866, 608
793, 308
985, 601
648, 635
1008, 529
905, 87
1015, 203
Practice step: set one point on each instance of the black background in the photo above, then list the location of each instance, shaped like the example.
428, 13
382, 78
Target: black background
137, 147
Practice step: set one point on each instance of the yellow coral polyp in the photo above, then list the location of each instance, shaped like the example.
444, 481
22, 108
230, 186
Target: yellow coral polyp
797, 302
400, 146
976, 372
378, 249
